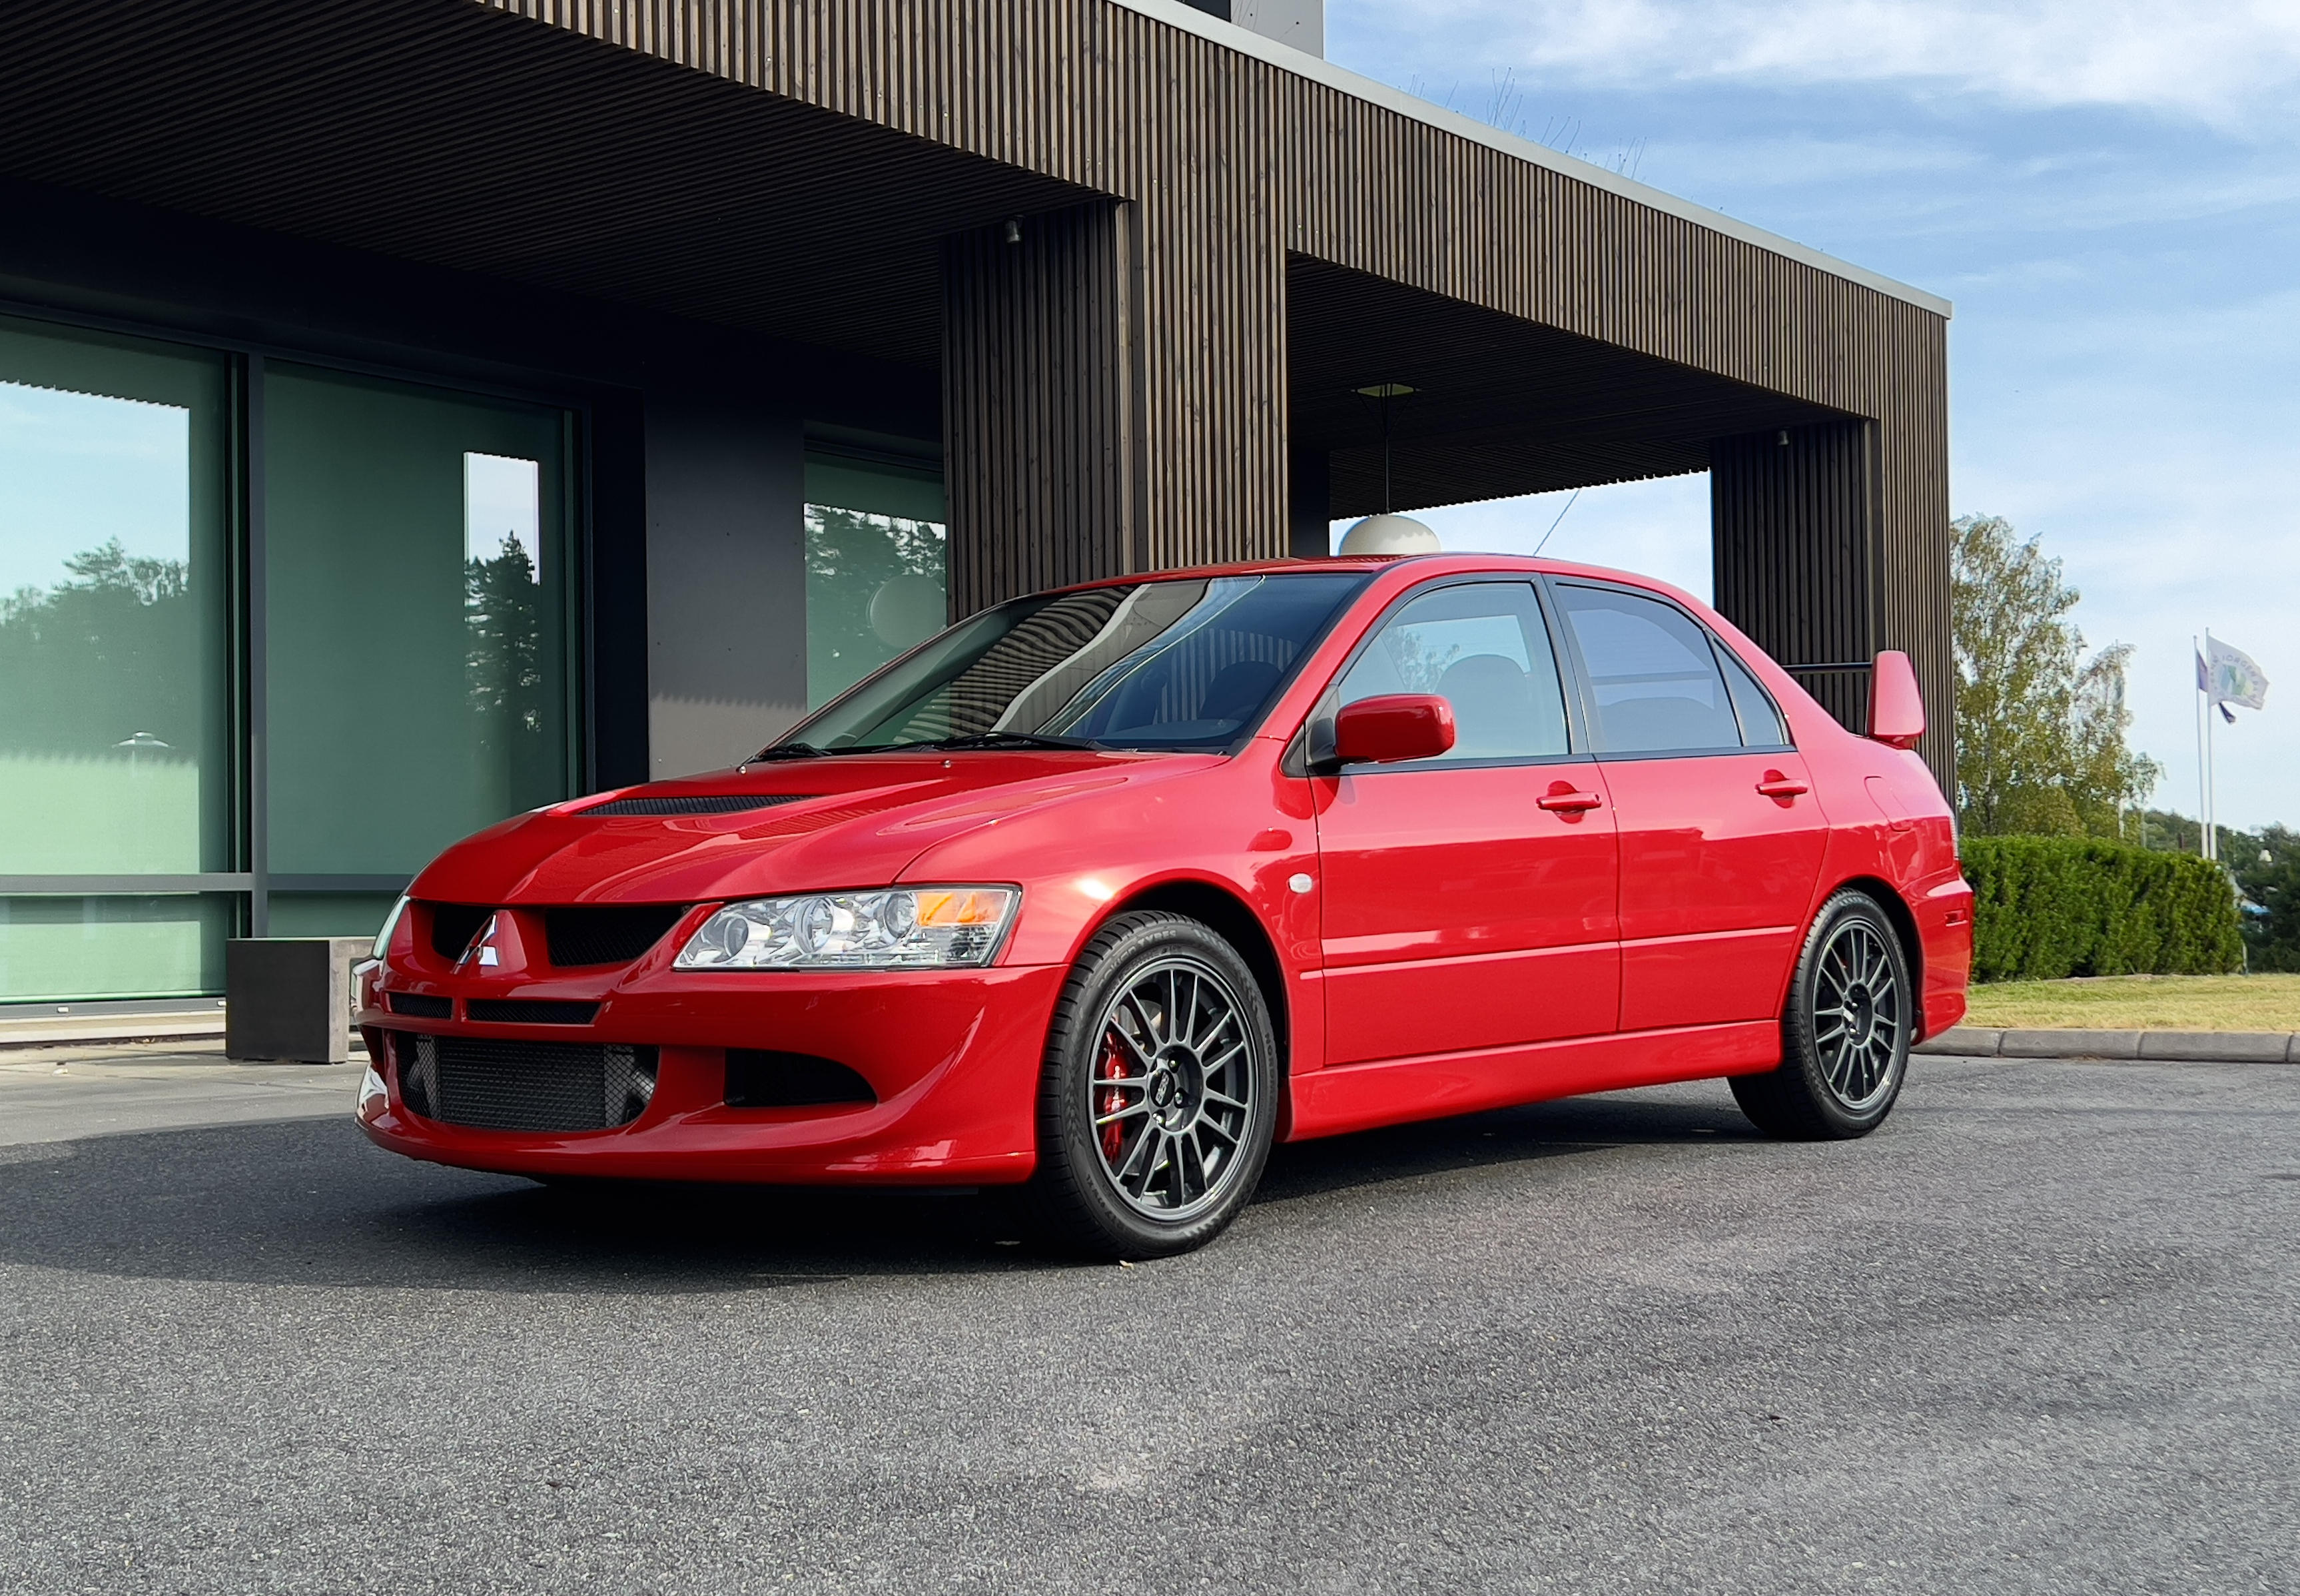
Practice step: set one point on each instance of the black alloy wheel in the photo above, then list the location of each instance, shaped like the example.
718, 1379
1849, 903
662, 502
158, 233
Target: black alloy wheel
1846, 1036
1159, 1098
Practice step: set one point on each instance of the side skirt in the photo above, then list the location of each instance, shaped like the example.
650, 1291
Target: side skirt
1358, 1097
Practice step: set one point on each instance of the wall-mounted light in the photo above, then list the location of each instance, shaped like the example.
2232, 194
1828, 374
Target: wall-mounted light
1013, 231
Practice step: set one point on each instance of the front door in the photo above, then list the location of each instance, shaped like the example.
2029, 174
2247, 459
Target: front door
1468, 900
1720, 837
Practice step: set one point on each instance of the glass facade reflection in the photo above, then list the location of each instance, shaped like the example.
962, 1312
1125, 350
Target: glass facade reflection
115, 734
417, 608
414, 635
876, 570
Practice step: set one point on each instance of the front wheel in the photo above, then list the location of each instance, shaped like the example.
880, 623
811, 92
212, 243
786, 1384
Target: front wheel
1157, 1105
1845, 1039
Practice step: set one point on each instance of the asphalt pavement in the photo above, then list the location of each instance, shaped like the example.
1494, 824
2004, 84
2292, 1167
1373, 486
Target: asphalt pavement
2040, 1334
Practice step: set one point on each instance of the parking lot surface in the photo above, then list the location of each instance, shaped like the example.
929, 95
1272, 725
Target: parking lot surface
2036, 1334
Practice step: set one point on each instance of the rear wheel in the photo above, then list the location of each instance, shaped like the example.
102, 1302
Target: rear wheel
1846, 1034
1158, 1100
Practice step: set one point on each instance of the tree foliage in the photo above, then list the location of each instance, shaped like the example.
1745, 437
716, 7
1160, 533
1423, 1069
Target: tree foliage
2267, 871
2040, 729
108, 654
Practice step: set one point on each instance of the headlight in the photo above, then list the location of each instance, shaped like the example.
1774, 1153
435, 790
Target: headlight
902, 928
390, 923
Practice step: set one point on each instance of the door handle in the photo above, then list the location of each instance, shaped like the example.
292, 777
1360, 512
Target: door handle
1571, 803
1777, 786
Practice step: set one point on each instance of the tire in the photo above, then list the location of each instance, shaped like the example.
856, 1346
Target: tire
1845, 1034
1158, 1099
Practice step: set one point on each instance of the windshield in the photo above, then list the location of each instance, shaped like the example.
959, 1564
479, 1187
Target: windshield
1168, 663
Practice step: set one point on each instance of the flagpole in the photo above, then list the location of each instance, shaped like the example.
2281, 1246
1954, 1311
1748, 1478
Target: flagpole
2204, 710
2212, 783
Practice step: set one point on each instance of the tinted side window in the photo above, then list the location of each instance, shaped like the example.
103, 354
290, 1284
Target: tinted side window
1761, 719
1653, 680
1483, 647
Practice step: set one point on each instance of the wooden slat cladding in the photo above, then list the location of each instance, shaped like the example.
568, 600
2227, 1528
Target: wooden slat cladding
1791, 546
1229, 162
1037, 405
1803, 564
798, 167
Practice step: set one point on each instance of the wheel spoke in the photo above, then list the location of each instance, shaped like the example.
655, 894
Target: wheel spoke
1218, 1128
1190, 1168
1115, 1114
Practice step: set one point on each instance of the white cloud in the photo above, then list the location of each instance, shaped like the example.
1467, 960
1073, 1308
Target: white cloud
2225, 63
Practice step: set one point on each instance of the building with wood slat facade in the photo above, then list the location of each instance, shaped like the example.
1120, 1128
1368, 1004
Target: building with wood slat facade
745, 332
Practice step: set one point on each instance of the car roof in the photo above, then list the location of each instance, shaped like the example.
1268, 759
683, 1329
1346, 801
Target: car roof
1443, 563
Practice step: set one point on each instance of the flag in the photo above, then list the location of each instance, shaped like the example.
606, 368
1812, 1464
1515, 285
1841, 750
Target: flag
2203, 677
2235, 678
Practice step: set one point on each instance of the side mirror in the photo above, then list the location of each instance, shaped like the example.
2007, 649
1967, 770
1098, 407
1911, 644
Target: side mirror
1393, 727
1897, 709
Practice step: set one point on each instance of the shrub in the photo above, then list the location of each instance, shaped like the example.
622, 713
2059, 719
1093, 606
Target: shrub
2044, 907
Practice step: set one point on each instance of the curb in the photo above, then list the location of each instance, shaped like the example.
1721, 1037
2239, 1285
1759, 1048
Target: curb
2162, 1047
97, 1030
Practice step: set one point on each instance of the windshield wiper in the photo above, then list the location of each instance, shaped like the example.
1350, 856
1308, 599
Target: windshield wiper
1007, 739
790, 750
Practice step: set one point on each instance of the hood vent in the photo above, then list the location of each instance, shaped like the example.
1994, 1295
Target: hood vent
699, 803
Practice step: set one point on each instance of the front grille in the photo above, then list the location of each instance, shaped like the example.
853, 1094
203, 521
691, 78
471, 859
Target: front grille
453, 927
421, 1007
697, 803
606, 936
523, 1086
757, 1078
529, 1011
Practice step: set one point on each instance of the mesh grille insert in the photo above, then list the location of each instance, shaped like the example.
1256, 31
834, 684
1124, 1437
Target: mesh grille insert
523, 1086
616, 936
696, 803
422, 1007
529, 1011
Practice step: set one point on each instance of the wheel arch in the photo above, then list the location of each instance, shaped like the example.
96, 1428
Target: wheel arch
1233, 919
1903, 921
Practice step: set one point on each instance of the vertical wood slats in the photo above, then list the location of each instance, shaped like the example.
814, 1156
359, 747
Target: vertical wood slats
1037, 401
1228, 162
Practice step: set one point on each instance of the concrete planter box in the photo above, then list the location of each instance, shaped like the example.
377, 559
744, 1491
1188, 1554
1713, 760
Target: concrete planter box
290, 996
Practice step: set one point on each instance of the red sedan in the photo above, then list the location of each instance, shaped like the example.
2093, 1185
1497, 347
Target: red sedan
1106, 889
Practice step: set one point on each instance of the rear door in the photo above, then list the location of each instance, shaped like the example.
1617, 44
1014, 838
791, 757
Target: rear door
1720, 837
1459, 913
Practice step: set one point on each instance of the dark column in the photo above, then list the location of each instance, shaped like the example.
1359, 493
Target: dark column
1309, 503
1794, 537
1039, 405
616, 611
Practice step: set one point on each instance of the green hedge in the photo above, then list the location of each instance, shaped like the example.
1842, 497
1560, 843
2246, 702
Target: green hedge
2048, 907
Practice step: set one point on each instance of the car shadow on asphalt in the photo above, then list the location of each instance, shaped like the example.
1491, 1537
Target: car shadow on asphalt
311, 1202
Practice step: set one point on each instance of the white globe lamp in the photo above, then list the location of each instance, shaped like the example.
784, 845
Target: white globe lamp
1389, 534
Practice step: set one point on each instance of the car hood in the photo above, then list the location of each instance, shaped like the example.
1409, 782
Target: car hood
849, 820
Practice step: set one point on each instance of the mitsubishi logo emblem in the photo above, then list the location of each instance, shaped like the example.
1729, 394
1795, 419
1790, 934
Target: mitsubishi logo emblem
482, 950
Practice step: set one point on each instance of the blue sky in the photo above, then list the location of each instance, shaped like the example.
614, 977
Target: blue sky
2111, 194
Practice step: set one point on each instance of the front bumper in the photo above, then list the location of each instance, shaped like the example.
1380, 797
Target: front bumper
952, 1056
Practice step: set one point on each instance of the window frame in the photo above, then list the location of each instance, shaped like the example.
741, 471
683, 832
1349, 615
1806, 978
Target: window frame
251, 882
1311, 750
1585, 688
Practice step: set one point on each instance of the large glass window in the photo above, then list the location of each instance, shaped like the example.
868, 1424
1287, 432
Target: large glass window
417, 607
876, 579
115, 735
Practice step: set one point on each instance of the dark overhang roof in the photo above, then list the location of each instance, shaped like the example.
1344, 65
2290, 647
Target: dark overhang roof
449, 133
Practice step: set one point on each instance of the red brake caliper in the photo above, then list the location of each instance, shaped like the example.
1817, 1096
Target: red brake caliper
1110, 1099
